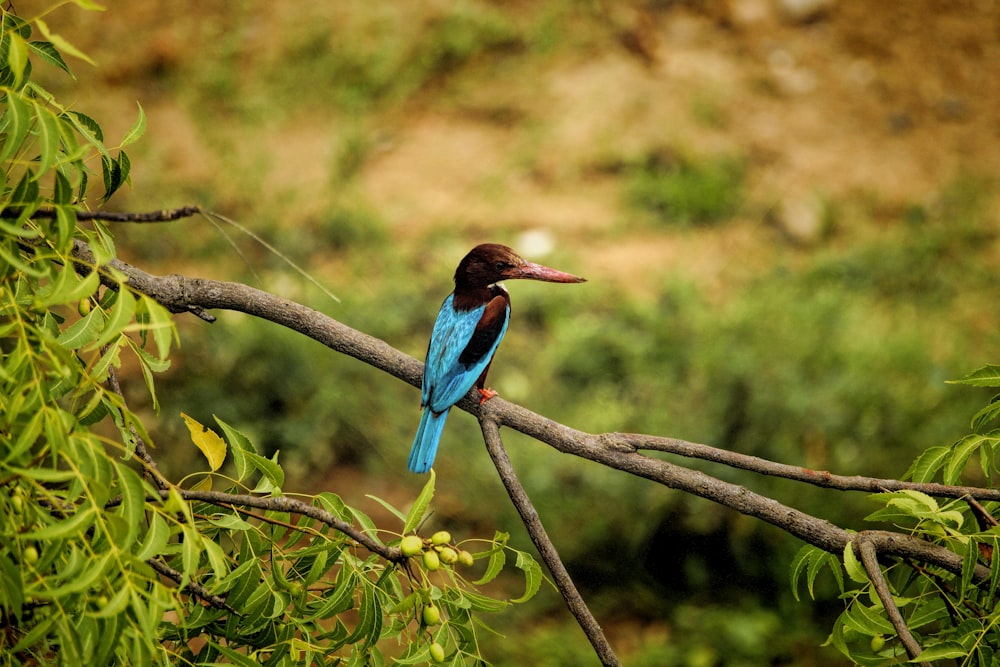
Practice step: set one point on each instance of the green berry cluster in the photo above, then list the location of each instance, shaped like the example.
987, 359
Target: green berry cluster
435, 551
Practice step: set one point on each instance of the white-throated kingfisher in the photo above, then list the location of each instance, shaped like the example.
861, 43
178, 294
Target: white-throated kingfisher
467, 332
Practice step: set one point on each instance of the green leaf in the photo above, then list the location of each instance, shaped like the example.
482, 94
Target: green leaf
239, 445
63, 45
420, 505
389, 508
49, 53
272, 476
112, 172
942, 651
116, 604
341, 599
855, 570
89, 5
960, 453
89, 130
120, 316
133, 506
78, 522
927, 464
230, 522
931, 611
868, 621
810, 560
18, 120
86, 579
17, 56
987, 414
498, 558
216, 559
83, 332
155, 541
48, 138
987, 376
137, 130
191, 551
68, 287
369, 617
532, 576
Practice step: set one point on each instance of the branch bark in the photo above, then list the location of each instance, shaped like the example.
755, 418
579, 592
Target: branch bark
546, 549
182, 294
615, 450
869, 559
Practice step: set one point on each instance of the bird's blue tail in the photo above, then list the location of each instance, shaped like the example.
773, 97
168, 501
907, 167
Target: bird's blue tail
425, 445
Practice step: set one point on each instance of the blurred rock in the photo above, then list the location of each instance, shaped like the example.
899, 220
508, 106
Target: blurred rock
802, 218
803, 11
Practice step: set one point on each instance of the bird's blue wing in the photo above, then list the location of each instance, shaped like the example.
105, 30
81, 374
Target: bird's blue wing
447, 378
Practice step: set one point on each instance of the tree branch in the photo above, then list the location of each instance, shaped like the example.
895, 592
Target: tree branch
182, 294
619, 451
820, 478
294, 506
194, 588
547, 550
869, 559
167, 215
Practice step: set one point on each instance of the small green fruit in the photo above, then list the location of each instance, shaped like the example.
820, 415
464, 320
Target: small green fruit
448, 555
16, 503
30, 555
432, 615
465, 559
877, 643
441, 537
411, 545
437, 652
84, 307
431, 560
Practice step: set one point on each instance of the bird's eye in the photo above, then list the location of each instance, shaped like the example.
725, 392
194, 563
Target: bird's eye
502, 266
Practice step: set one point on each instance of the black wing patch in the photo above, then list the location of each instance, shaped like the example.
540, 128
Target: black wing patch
487, 331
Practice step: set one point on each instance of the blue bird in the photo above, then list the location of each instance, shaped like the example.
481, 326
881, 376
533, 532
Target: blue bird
469, 327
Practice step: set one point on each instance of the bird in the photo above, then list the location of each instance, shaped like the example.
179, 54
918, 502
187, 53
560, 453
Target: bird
469, 327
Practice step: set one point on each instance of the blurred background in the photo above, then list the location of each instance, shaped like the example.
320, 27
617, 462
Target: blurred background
787, 211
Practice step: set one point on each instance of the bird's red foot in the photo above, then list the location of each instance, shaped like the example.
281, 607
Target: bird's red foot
485, 394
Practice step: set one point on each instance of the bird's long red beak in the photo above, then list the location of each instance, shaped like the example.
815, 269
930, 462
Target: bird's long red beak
538, 272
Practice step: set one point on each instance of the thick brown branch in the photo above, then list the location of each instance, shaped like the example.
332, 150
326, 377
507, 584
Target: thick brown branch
179, 294
546, 549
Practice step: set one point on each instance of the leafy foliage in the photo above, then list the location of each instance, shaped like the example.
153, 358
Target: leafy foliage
951, 615
682, 191
102, 559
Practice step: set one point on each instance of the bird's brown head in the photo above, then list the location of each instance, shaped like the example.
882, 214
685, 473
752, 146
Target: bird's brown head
491, 262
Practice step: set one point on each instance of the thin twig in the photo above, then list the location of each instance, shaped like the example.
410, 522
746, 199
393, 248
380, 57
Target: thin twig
150, 468
294, 506
194, 588
166, 215
820, 478
546, 549
869, 559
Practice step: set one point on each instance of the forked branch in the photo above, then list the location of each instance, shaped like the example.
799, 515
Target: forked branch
616, 450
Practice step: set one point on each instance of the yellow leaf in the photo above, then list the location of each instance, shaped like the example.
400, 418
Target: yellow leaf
208, 441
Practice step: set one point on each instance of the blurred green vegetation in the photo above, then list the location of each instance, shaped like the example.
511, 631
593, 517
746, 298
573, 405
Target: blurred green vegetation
686, 191
832, 356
